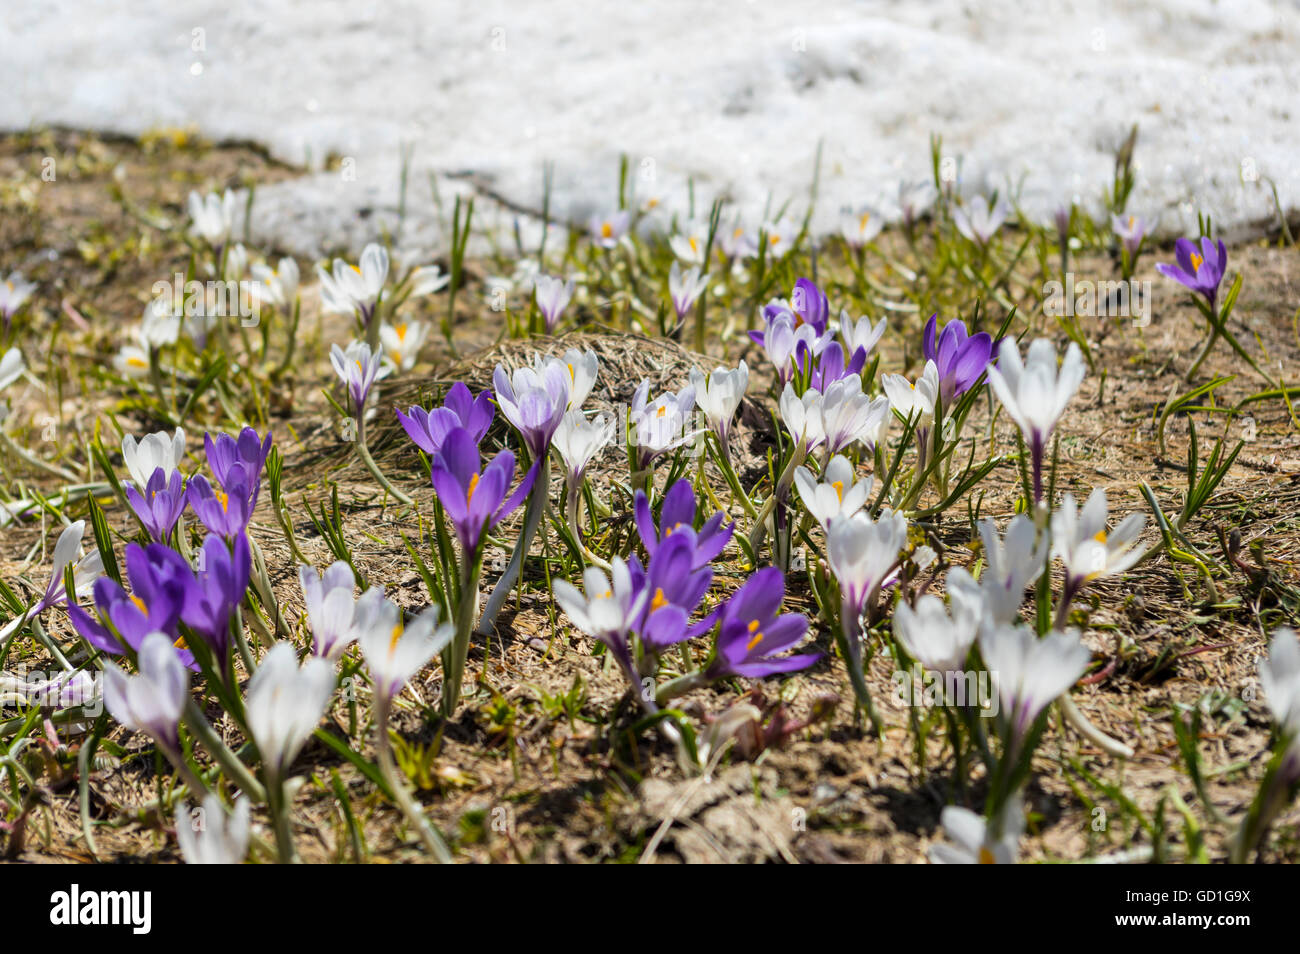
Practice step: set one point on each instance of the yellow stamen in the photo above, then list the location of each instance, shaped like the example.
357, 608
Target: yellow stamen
659, 602
473, 486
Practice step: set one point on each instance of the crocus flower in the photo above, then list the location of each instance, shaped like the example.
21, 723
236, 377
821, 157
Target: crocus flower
212, 217
11, 367
960, 357
330, 607
938, 641
1010, 565
534, 401
860, 337
152, 701
160, 505
753, 631
220, 839
1035, 393
608, 230
860, 227
248, 449
1029, 673
1130, 231
661, 424
218, 589
352, 289
284, 703
913, 401
276, 286
224, 510
608, 611
428, 429
394, 651
400, 344
579, 440
861, 553
836, 495
160, 580
1081, 542
848, 415
975, 841
978, 220
85, 569
475, 500
359, 369
1200, 270
153, 452
553, 296
676, 515
676, 580
684, 288
718, 397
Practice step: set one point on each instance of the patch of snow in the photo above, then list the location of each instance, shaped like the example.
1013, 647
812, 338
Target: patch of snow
734, 96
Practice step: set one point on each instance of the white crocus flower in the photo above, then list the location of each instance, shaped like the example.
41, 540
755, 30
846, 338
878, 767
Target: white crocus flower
1011, 564
151, 452
849, 415
862, 552
1034, 393
719, 395
610, 607
860, 227
579, 440
913, 400
212, 217
836, 495
276, 286
860, 335
661, 424
1279, 677
975, 842
330, 608
284, 704
1081, 542
685, 287
1029, 672
802, 416
131, 361
11, 367
402, 342
152, 701
978, 221
932, 637
393, 650
355, 289
210, 836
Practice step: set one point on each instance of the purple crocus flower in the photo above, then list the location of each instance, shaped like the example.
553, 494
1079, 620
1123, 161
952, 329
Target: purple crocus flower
675, 584
161, 504
248, 449
475, 499
160, 579
219, 587
225, 510
534, 401
1201, 269
751, 632
832, 366
677, 516
428, 429
960, 357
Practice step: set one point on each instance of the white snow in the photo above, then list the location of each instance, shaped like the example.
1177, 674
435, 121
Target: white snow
733, 94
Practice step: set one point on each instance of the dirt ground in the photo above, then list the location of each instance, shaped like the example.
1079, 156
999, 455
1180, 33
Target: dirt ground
541, 763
